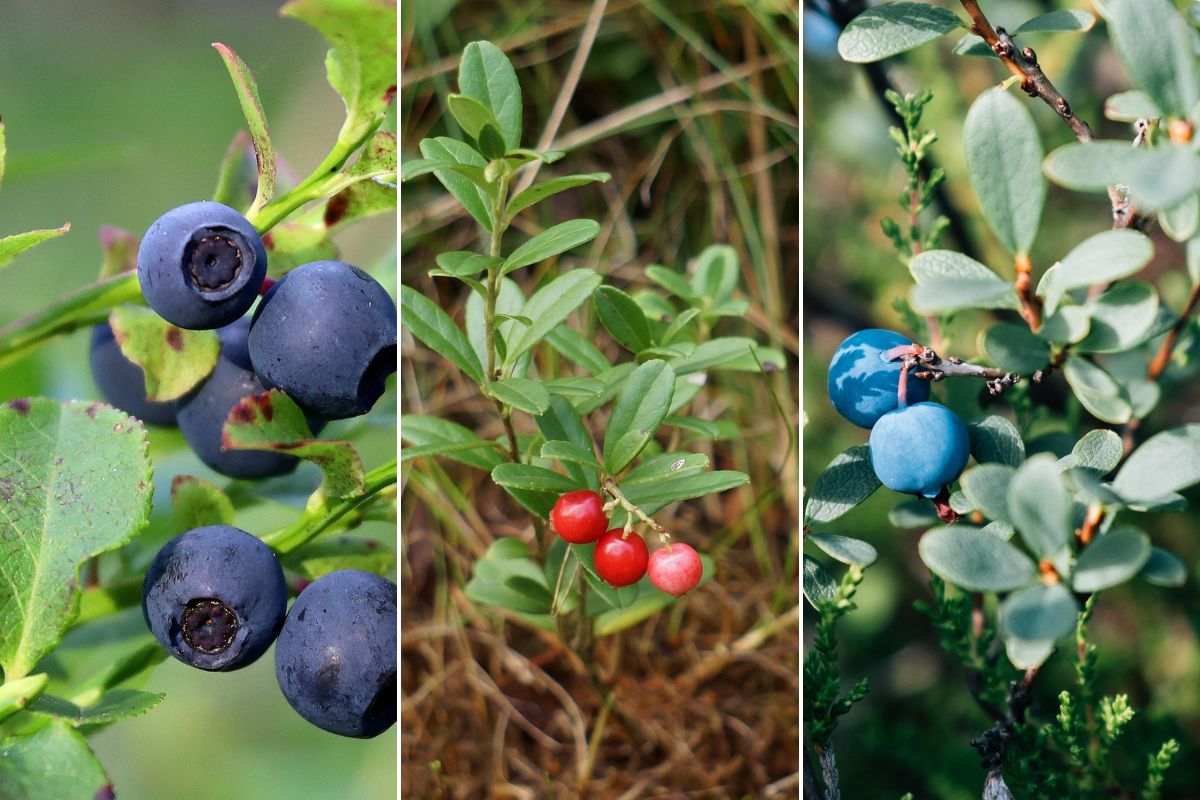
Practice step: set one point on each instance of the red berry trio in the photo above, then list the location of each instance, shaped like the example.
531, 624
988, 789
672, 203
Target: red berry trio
325, 333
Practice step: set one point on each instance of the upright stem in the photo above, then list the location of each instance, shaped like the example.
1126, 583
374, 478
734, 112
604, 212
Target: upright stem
499, 225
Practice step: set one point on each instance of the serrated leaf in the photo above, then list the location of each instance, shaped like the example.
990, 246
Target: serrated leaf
549, 306
995, 439
256, 122
987, 487
53, 763
844, 548
272, 421
75, 479
893, 28
638, 413
344, 552
195, 503
540, 191
1039, 612
1156, 46
1163, 569
361, 67
173, 360
550, 242
365, 188
1111, 559
949, 281
13, 246
524, 394
975, 560
1166, 462
1097, 391
1014, 348
1004, 158
486, 74
112, 706
847, 481
433, 326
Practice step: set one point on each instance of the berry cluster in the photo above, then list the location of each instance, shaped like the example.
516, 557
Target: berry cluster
916, 446
620, 555
215, 598
325, 333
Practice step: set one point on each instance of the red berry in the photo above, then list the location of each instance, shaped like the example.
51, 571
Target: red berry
619, 561
675, 568
579, 516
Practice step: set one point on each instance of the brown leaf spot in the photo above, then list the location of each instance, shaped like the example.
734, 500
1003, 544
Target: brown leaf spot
389, 96
268, 240
174, 338
20, 406
336, 209
91, 410
106, 793
263, 401
243, 412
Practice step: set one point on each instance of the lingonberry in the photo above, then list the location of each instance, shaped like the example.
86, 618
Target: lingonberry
579, 516
621, 561
675, 568
864, 381
919, 449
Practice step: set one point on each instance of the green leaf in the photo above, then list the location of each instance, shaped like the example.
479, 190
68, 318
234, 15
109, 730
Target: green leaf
1130, 107
612, 596
638, 413
433, 432
173, 360
579, 349
1039, 507
679, 325
1097, 391
1068, 324
344, 552
531, 478
949, 281
1166, 462
524, 394
12, 246
1121, 317
673, 282
475, 199
471, 114
367, 188
1163, 569
819, 585
649, 602
195, 503
462, 263
561, 422
77, 483
623, 318
685, 487
664, 466
494, 582
1063, 21
975, 560
1004, 158
111, 707
570, 453
1159, 177
549, 307
1039, 612
1111, 559
847, 481
1102, 258
292, 243
728, 353
892, 28
987, 485
1025, 654
995, 439
540, 191
844, 548
486, 74
361, 67
272, 421
1100, 450
54, 763
716, 273
1181, 222
551, 242
433, 326
256, 122
509, 303
575, 387
1013, 348
1157, 48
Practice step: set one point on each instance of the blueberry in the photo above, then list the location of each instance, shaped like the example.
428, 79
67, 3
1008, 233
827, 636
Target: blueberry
201, 265
919, 449
326, 335
862, 384
215, 597
202, 413
122, 383
336, 655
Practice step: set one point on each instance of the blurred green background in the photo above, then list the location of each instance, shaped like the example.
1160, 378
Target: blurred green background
912, 731
117, 111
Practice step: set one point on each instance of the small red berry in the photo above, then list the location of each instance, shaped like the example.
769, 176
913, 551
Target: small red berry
619, 561
579, 516
675, 568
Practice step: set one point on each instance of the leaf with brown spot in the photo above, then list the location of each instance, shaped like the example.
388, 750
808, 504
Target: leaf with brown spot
256, 120
174, 360
273, 421
369, 187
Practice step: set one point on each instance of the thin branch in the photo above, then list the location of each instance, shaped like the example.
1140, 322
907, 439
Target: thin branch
926, 364
1164, 352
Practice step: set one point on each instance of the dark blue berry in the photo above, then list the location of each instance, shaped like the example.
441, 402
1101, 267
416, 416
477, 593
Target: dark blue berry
202, 413
122, 383
201, 265
326, 335
336, 655
919, 449
215, 597
863, 384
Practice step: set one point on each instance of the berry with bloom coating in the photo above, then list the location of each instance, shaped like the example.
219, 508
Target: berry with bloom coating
621, 562
579, 516
864, 383
675, 568
919, 449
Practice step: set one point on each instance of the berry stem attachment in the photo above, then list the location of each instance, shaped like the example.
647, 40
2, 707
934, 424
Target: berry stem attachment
620, 501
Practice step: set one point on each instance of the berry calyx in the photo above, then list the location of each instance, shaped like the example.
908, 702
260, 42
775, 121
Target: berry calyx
621, 561
579, 517
675, 568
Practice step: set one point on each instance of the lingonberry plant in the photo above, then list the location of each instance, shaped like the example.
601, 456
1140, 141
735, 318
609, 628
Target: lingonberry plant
249, 394
556, 394
1024, 545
